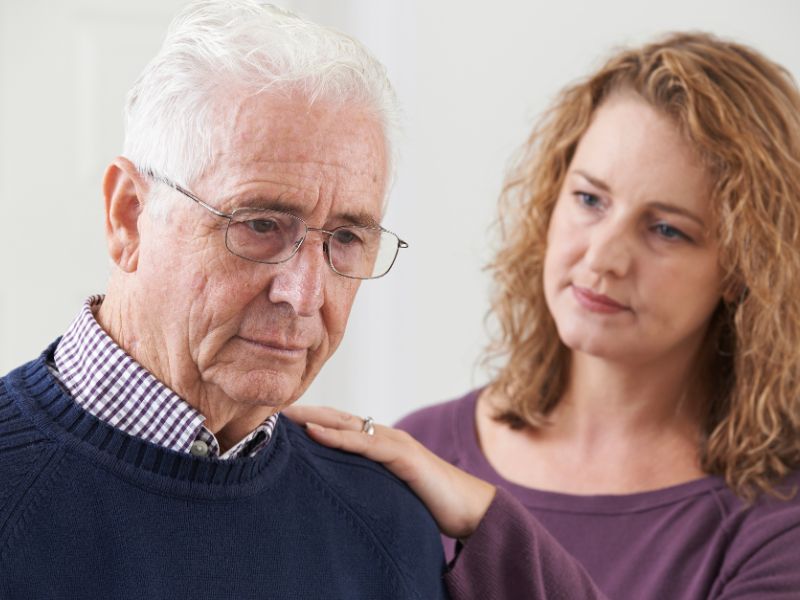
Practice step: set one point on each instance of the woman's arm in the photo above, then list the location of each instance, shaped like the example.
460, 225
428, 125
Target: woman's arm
511, 555
504, 552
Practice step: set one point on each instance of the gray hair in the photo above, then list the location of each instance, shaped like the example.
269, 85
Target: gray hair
215, 46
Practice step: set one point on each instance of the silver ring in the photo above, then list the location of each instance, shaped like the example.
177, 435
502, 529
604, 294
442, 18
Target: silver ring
369, 426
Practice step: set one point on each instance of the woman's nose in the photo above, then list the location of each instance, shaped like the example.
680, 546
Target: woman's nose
610, 250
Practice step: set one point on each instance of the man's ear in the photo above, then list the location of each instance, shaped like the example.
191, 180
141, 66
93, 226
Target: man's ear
123, 189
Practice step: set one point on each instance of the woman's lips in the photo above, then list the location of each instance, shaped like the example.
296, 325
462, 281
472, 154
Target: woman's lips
597, 302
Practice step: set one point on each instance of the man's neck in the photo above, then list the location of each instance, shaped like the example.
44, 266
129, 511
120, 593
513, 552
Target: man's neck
229, 421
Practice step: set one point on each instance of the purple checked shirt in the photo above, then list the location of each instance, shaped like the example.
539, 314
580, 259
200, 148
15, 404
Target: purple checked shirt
108, 383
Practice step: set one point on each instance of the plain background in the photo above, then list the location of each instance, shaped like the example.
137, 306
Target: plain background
471, 76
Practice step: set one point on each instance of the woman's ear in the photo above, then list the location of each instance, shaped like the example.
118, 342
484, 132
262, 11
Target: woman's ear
123, 189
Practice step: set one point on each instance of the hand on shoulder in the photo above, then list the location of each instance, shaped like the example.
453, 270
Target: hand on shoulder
457, 500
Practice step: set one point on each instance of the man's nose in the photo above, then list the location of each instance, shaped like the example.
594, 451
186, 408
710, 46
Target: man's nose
300, 281
611, 250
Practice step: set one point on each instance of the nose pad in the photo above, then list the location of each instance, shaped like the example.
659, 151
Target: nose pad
300, 281
325, 239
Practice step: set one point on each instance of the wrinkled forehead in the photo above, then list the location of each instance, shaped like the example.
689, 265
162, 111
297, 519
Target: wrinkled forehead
313, 155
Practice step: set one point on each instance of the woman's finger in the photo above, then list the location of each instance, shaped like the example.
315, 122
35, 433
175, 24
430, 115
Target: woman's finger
323, 415
330, 418
456, 499
379, 447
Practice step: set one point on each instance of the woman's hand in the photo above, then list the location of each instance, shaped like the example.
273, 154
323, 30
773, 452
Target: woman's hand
457, 500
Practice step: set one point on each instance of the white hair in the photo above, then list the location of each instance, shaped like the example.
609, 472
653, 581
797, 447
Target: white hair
215, 46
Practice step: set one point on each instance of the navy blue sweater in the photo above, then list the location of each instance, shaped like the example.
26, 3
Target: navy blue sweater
87, 511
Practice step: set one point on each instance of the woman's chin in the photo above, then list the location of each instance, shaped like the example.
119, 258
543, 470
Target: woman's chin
605, 347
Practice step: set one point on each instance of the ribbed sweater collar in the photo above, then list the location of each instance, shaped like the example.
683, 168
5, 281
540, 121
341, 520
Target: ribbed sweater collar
40, 398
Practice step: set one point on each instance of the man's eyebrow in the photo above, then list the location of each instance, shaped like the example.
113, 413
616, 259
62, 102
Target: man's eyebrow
662, 206
260, 202
360, 218
265, 203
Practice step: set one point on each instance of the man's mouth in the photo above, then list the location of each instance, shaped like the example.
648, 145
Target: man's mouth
289, 350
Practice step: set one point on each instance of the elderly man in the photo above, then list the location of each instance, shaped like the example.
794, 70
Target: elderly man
142, 454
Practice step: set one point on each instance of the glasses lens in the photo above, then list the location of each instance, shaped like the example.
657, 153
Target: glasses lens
362, 252
264, 235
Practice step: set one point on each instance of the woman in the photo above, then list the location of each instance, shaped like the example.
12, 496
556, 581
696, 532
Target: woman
642, 436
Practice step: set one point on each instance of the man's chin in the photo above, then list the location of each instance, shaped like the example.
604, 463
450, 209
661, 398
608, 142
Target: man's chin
263, 388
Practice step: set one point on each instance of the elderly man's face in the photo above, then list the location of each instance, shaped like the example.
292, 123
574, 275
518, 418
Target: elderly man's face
259, 333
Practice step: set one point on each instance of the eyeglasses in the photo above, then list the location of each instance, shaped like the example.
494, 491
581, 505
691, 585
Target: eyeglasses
274, 236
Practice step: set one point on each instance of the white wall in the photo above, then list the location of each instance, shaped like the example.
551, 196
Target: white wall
471, 79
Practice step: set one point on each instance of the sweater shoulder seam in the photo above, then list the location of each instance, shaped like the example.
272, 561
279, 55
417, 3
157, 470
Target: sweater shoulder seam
356, 518
19, 510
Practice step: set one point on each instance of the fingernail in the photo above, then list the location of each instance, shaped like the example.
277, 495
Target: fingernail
315, 427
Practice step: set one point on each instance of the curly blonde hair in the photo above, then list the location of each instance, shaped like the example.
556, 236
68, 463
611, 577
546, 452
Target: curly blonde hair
741, 112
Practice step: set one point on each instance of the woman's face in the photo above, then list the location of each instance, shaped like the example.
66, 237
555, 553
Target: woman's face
631, 272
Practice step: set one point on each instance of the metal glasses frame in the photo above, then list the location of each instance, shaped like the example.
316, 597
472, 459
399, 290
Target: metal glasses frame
229, 216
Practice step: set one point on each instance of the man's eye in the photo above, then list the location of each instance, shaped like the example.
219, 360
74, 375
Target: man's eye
263, 225
346, 237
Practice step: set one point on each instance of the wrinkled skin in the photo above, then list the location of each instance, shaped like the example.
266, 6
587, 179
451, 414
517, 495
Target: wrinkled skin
240, 340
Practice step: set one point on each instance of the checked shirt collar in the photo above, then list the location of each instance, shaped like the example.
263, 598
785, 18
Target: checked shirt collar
108, 383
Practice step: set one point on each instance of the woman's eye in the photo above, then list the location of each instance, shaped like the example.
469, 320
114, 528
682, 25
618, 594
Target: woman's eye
669, 232
587, 200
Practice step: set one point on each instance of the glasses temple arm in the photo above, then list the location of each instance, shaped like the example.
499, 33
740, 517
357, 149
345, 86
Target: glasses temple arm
187, 193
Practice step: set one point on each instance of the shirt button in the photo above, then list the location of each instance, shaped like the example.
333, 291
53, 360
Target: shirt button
199, 448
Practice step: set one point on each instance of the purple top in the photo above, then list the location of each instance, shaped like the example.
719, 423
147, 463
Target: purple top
694, 540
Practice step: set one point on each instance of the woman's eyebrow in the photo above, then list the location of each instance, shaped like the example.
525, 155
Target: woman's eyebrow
677, 210
596, 182
662, 206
